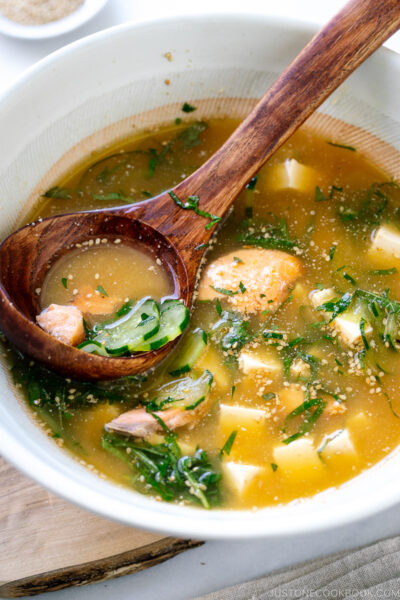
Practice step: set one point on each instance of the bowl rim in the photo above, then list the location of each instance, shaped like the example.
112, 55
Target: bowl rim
144, 512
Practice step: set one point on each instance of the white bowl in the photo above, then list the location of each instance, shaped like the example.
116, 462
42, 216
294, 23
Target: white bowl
100, 88
83, 14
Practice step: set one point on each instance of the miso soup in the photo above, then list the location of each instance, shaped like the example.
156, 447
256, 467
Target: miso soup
286, 380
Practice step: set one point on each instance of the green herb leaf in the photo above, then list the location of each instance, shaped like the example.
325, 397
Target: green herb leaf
350, 278
218, 307
192, 203
274, 467
101, 290
227, 447
343, 146
188, 108
332, 251
163, 467
391, 271
58, 192
64, 281
237, 260
268, 396
113, 196
242, 287
223, 291
310, 410
252, 183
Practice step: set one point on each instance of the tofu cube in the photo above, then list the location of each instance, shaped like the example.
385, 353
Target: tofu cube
266, 364
234, 417
348, 328
319, 297
347, 324
250, 427
292, 175
385, 245
299, 368
337, 449
240, 476
298, 460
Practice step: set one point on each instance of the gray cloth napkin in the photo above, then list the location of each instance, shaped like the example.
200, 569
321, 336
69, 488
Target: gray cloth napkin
368, 573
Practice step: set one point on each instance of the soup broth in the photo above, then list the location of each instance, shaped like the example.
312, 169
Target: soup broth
286, 381
101, 277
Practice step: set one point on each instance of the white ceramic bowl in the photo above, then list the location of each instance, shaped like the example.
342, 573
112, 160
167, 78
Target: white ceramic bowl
83, 14
103, 86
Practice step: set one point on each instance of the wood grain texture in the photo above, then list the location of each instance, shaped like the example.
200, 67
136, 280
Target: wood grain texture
168, 230
47, 544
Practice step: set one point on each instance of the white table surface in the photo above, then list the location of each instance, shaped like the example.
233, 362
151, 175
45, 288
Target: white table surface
216, 564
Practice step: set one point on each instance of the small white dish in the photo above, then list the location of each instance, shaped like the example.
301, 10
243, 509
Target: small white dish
85, 12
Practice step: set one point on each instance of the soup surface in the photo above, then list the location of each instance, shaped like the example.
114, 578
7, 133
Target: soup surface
286, 381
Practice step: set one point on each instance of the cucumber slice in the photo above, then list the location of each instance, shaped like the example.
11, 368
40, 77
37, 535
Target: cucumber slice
93, 347
174, 318
193, 347
186, 392
134, 328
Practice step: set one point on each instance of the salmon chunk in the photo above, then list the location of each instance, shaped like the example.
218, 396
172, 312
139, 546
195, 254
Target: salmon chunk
139, 423
93, 303
257, 279
63, 322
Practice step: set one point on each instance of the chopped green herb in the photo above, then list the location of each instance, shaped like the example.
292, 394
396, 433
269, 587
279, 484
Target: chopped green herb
272, 335
350, 278
178, 121
362, 331
58, 192
268, 396
223, 291
227, 447
192, 203
101, 290
242, 287
391, 271
114, 196
296, 341
310, 410
274, 467
146, 194
188, 108
332, 251
190, 136
201, 246
237, 260
252, 183
320, 196
218, 307
274, 234
64, 281
233, 390
163, 467
343, 146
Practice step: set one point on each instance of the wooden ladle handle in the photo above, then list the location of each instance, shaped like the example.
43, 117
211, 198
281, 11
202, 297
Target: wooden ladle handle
333, 54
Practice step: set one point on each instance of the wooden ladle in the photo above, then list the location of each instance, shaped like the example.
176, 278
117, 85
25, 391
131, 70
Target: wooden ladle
171, 232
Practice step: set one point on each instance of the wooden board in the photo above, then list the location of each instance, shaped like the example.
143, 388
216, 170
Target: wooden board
47, 544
